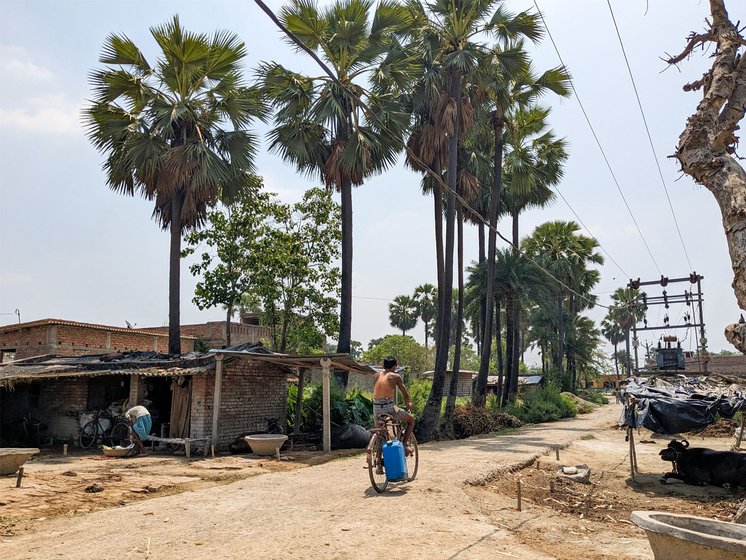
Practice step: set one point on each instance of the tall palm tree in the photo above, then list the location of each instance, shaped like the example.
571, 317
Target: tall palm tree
626, 310
504, 91
612, 332
403, 313
567, 255
320, 126
175, 132
452, 35
425, 297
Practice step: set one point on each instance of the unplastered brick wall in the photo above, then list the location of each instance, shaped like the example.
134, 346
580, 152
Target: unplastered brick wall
65, 395
253, 392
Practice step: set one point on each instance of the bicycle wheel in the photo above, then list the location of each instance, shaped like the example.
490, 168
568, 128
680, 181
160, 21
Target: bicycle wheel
89, 434
375, 464
120, 435
413, 460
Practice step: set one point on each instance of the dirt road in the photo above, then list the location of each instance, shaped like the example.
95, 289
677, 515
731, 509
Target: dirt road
330, 511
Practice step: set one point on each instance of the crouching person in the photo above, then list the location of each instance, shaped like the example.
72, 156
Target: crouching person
140, 420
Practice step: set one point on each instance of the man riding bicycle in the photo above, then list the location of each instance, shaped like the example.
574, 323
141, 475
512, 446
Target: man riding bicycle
384, 395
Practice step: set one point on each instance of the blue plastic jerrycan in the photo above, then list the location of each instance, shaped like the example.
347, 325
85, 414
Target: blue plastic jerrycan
393, 460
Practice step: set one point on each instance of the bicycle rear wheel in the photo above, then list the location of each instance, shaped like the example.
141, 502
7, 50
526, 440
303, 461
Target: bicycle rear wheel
120, 435
89, 434
413, 461
376, 470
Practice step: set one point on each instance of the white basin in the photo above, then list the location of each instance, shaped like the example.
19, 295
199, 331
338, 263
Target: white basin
266, 444
673, 536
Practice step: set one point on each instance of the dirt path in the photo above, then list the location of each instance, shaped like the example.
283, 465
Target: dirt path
329, 511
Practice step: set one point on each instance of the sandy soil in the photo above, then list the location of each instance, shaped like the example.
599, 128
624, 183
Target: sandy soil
462, 505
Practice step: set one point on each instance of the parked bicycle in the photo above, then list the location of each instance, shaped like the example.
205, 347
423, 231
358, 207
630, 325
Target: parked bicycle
32, 431
389, 429
118, 432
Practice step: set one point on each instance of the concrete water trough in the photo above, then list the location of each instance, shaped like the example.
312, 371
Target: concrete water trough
11, 458
673, 536
265, 444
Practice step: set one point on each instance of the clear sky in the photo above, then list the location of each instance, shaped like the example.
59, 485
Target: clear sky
72, 249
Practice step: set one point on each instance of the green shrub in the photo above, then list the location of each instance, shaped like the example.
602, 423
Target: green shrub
355, 407
419, 391
469, 420
545, 404
592, 395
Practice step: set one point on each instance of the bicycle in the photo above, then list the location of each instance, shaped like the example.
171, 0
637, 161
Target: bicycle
387, 428
117, 434
32, 430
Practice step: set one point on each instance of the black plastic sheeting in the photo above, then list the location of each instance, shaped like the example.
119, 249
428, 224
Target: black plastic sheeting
674, 409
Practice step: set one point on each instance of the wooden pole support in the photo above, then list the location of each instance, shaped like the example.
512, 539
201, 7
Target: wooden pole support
20, 477
212, 451
519, 494
556, 451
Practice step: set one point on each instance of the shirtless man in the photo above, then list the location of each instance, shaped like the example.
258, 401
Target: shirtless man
384, 393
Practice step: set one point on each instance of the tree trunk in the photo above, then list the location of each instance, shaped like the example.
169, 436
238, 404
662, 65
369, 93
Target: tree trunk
483, 296
428, 427
498, 338
455, 369
174, 277
706, 148
228, 315
560, 346
439, 257
479, 398
616, 364
516, 318
628, 357
345, 314
509, 343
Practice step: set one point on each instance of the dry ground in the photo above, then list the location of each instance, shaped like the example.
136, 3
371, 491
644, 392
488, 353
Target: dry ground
462, 505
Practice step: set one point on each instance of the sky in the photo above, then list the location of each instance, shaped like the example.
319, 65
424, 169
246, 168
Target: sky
73, 249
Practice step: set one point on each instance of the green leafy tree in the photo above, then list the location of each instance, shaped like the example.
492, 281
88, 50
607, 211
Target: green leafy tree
403, 313
295, 279
406, 350
230, 256
320, 127
175, 132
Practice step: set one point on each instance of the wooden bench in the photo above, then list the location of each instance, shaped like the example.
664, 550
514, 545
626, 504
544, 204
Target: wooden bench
186, 442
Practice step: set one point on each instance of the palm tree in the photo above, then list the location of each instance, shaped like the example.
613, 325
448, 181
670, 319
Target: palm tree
504, 91
425, 297
447, 34
626, 310
320, 126
563, 252
403, 313
612, 332
164, 130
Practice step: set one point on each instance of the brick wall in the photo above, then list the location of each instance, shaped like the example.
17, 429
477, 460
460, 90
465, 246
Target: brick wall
213, 332
61, 402
71, 339
252, 392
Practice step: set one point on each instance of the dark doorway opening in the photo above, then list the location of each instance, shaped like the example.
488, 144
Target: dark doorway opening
158, 392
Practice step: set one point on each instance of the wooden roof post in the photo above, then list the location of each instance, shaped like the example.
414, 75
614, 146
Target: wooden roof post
216, 397
327, 404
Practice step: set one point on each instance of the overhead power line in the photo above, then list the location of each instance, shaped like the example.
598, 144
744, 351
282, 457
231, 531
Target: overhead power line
598, 142
650, 138
435, 176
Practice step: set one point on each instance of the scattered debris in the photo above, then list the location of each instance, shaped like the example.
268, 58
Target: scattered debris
93, 488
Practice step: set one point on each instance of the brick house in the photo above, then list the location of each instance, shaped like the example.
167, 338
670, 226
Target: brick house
60, 390
71, 338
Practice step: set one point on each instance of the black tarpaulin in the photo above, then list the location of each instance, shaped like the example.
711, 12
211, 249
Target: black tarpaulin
689, 404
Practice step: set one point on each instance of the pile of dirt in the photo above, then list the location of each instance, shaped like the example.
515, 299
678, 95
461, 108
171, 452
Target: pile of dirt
723, 428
